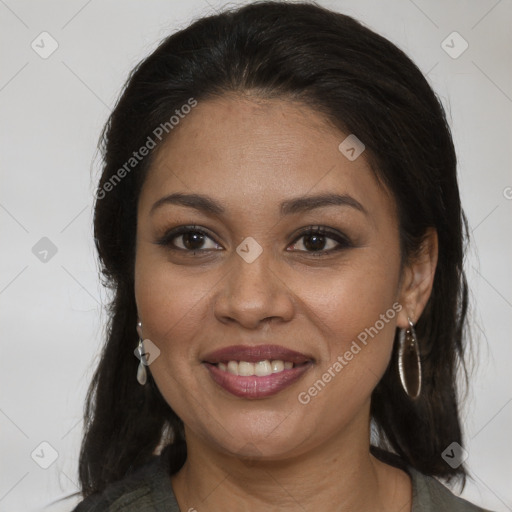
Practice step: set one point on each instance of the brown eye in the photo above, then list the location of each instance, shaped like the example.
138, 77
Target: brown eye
187, 238
316, 239
192, 240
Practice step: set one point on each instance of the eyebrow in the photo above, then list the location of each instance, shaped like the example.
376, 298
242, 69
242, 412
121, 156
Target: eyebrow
207, 205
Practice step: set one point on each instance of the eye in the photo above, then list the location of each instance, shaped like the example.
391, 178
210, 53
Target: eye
187, 238
316, 238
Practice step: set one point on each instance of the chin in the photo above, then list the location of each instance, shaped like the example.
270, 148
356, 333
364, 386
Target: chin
261, 438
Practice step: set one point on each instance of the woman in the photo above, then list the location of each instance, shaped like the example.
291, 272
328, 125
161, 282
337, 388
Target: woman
279, 220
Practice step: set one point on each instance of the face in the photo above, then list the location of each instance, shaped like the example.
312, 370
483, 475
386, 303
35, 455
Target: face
250, 271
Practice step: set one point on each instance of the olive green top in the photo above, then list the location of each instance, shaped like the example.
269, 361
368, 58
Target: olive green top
149, 489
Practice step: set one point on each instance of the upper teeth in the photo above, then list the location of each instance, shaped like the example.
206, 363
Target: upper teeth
260, 369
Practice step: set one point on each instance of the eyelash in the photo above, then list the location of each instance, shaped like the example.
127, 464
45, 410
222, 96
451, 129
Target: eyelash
167, 239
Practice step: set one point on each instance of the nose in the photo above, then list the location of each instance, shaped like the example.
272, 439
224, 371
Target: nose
253, 294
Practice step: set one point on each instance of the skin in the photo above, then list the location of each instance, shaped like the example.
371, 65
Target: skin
249, 155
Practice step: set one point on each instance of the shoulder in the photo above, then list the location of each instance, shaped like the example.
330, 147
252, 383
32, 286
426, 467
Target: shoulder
431, 495
147, 489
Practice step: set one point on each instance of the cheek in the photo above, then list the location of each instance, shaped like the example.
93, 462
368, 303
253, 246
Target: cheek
354, 308
170, 304
171, 307
352, 297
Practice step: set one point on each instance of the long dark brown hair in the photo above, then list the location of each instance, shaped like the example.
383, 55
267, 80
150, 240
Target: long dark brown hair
366, 86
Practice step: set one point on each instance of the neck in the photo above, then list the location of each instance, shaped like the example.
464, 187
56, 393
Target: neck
338, 475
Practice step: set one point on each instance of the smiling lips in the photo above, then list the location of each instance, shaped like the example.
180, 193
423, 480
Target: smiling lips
256, 372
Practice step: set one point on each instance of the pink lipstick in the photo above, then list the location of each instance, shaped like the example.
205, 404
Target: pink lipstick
255, 372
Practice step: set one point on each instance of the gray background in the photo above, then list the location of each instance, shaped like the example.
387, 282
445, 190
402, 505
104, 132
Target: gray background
52, 111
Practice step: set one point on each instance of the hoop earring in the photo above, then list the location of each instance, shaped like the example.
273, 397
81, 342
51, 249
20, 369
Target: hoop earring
409, 362
142, 376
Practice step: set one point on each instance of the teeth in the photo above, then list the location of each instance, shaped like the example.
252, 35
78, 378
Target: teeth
233, 367
245, 369
260, 369
277, 366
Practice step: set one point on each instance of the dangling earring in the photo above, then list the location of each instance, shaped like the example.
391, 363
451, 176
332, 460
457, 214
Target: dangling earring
142, 375
409, 362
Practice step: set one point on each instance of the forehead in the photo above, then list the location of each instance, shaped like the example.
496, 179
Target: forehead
250, 152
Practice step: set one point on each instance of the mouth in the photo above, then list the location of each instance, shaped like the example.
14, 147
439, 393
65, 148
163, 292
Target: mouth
256, 372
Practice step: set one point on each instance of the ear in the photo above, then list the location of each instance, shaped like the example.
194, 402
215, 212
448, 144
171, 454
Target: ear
417, 280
